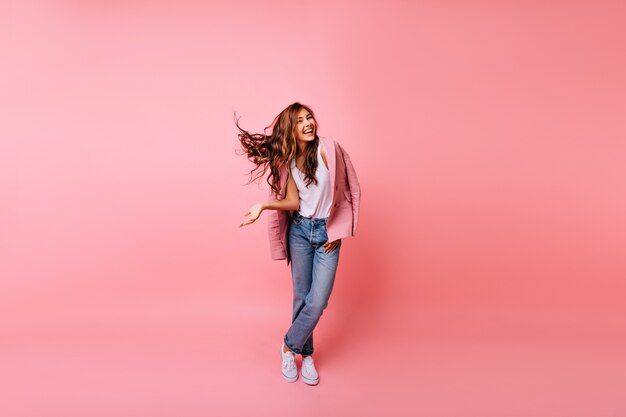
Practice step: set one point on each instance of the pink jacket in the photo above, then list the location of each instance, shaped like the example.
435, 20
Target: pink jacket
344, 212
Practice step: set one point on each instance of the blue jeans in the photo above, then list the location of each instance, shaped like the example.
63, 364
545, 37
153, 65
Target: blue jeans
313, 276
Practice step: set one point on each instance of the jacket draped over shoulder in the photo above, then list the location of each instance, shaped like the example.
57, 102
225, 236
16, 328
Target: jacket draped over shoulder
346, 198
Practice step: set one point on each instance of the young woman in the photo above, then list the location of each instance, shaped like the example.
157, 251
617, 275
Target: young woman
314, 201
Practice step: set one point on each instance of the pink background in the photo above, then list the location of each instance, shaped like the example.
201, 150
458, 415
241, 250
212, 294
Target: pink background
487, 275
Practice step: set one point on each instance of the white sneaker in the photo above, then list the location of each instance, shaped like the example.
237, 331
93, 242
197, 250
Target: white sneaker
308, 371
289, 369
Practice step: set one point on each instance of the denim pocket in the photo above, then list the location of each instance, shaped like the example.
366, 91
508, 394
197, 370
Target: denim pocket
296, 219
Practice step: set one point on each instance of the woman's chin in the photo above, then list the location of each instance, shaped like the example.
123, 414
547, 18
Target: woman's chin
307, 138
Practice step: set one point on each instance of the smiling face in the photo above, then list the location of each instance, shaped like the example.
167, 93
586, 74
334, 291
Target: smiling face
306, 128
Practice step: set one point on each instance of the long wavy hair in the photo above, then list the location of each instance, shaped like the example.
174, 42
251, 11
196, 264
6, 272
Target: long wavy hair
276, 150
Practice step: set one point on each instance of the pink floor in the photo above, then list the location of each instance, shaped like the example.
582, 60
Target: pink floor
193, 361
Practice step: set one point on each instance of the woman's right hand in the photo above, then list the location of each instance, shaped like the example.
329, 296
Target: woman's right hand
253, 213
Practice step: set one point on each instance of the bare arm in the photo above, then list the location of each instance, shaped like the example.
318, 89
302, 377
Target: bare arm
290, 202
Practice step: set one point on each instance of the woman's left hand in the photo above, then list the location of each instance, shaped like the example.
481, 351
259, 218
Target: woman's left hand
329, 247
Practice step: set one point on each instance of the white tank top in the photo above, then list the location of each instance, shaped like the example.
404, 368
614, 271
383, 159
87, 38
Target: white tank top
315, 200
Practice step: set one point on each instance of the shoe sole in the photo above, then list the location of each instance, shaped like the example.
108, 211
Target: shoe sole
310, 381
288, 379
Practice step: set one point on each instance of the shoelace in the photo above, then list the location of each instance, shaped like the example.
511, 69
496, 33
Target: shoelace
309, 365
288, 361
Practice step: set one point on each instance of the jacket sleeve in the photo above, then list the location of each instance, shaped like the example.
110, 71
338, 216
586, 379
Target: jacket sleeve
355, 188
277, 249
